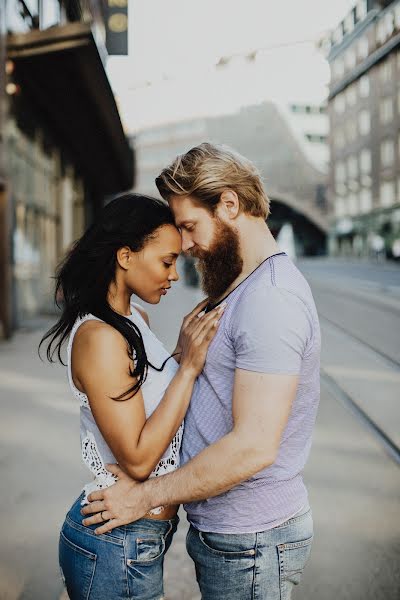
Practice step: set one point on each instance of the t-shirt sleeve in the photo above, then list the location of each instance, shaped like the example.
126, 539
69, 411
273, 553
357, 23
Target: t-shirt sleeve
271, 330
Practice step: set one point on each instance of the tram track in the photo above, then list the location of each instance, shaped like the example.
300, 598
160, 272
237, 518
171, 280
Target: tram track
350, 403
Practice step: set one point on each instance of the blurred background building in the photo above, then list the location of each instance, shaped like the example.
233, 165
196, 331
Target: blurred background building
63, 149
364, 115
288, 143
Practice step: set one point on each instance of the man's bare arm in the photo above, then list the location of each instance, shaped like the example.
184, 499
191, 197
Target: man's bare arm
261, 407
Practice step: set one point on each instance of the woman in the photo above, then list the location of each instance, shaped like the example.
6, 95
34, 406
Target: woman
133, 398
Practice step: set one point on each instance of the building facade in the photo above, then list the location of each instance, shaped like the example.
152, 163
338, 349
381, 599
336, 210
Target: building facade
63, 149
364, 114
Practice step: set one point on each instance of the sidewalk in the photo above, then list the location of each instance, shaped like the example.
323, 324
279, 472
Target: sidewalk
353, 486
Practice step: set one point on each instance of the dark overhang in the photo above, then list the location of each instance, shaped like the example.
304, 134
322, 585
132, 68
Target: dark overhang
61, 74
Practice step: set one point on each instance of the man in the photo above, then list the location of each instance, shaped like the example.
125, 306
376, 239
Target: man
248, 429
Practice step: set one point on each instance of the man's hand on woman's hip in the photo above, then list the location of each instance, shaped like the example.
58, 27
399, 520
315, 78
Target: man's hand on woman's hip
119, 504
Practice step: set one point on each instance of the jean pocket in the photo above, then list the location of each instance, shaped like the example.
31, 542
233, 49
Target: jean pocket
293, 557
224, 545
78, 566
148, 549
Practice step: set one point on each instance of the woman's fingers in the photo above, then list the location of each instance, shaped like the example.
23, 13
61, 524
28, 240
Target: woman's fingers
206, 322
197, 309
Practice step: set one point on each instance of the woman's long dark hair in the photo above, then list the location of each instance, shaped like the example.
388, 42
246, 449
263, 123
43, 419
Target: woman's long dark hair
84, 276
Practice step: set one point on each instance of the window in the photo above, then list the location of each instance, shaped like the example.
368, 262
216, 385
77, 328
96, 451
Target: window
385, 71
337, 68
387, 153
364, 86
366, 181
349, 22
340, 207
340, 172
49, 13
338, 34
397, 16
385, 27
351, 95
387, 193
365, 161
339, 139
351, 130
361, 9
341, 189
362, 48
352, 202
364, 122
340, 103
350, 59
386, 110
365, 201
352, 167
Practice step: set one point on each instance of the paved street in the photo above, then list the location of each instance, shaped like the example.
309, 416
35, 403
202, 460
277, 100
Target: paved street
354, 485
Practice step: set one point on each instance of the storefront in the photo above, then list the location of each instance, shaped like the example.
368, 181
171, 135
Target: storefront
65, 152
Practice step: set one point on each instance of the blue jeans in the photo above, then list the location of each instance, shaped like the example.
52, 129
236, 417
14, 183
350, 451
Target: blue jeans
250, 566
125, 563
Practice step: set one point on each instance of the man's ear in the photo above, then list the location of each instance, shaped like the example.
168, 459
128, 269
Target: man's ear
229, 203
124, 257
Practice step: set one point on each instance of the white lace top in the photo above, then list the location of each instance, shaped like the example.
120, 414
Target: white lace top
95, 451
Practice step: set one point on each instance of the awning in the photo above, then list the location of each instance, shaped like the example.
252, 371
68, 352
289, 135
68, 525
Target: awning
62, 78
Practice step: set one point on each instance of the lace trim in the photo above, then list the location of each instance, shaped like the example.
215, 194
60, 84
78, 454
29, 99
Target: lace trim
171, 462
166, 465
92, 459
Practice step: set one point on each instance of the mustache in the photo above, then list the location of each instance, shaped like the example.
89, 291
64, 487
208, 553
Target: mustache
197, 253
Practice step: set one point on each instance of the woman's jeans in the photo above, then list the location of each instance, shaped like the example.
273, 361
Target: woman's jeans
125, 563
249, 566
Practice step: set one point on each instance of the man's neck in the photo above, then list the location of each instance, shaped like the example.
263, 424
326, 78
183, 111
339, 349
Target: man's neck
256, 244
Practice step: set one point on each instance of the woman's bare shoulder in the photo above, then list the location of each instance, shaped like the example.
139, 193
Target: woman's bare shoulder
97, 336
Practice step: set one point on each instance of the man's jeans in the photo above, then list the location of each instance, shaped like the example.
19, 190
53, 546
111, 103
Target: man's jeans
249, 566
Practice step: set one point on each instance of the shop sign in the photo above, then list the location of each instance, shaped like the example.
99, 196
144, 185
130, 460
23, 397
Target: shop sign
116, 23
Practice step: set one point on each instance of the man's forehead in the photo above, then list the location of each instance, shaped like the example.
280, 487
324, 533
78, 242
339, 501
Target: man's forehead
185, 209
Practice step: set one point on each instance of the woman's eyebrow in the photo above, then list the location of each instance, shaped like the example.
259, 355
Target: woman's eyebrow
172, 255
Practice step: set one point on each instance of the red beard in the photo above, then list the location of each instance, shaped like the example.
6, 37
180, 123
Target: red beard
222, 263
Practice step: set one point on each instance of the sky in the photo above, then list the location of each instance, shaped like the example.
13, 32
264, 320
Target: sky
171, 72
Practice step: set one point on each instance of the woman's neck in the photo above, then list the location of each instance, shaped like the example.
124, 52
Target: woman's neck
119, 301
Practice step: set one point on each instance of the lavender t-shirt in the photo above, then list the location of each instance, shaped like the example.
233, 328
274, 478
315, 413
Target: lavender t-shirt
270, 325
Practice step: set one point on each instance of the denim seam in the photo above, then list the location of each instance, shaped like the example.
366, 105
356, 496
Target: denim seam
126, 567
86, 530
293, 545
91, 580
75, 548
227, 553
256, 569
281, 552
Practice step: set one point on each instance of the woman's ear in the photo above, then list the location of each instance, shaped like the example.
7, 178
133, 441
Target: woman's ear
124, 257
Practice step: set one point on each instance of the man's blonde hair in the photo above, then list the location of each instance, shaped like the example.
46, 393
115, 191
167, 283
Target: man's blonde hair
206, 171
